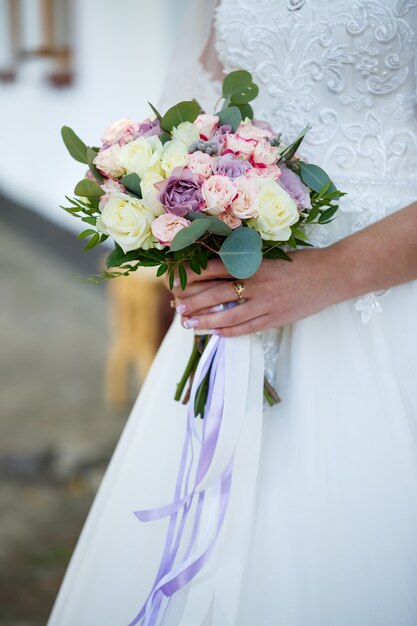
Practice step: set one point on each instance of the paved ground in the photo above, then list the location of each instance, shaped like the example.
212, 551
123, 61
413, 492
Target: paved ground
56, 435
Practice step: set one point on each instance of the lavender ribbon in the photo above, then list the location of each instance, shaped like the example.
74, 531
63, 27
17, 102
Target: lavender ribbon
181, 563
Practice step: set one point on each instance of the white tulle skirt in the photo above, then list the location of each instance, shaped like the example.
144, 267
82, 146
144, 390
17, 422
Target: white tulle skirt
322, 525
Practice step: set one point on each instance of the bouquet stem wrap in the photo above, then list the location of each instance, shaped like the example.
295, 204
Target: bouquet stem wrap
218, 468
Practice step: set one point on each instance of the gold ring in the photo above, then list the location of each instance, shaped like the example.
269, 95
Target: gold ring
239, 286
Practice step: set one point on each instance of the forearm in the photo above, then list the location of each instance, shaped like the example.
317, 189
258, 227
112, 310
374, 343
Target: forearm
380, 256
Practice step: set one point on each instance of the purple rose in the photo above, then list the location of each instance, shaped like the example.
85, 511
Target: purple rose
180, 193
264, 125
229, 166
148, 128
219, 136
295, 187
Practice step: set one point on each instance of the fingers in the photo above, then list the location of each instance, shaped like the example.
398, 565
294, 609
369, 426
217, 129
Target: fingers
221, 292
254, 325
230, 317
214, 270
194, 288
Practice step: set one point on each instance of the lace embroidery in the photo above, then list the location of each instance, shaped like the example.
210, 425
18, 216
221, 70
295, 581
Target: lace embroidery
350, 69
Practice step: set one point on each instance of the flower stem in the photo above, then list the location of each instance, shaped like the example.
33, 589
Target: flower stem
190, 367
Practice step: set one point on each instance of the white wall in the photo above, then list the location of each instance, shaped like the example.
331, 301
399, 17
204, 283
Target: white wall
122, 51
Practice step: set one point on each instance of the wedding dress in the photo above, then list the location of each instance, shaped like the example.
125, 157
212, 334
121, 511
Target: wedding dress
321, 528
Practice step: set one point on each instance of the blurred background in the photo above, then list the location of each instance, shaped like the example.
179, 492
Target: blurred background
72, 355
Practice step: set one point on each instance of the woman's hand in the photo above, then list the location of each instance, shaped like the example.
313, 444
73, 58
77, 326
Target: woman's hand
279, 293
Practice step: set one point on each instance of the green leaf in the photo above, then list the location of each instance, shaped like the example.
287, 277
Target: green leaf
245, 110
155, 110
327, 214
88, 189
230, 116
86, 233
171, 277
241, 252
217, 226
117, 257
290, 150
89, 220
276, 253
161, 270
164, 137
239, 88
94, 241
185, 111
74, 145
182, 274
91, 155
188, 235
132, 183
314, 177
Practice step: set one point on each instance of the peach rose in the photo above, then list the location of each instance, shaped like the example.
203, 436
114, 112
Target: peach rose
240, 146
200, 163
218, 192
244, 205
230, 219
121, 129
264, 153
166, 226
247, 130
109, 186
269, 171
107, 161
206, 124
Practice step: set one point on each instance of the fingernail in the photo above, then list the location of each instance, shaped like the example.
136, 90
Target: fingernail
181, 308
176, 282
217, 309
216, 332
191, 323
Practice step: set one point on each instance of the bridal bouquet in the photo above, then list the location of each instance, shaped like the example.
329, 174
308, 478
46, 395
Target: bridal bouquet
186, 186
173, 192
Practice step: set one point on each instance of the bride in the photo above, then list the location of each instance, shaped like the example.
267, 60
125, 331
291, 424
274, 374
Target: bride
321, 526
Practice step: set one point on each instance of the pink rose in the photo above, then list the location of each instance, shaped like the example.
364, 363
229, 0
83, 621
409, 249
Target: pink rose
268, 171
235, 144
264, 154
110, 186
122, 129
107, 161
218, 192
229, 218
206, 124
244, 205
249, 131
166, 226
199, 163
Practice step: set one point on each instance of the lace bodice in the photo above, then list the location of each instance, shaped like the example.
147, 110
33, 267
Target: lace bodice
348, 68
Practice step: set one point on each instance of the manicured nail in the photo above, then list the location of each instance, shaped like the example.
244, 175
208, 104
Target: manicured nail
176, 282
181, 308
217, 309
191, 323
215, 331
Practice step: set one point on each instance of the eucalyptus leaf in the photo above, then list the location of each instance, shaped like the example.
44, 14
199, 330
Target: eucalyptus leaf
185, 111
217, 226
239, 88
74, 145
88, 189
164, 137
290, 150
230, 116
132, 183
241, 252
188, 235
91, 155
245, 110
315, 177
155, 110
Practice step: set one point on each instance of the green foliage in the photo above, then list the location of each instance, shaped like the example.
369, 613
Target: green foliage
91, 155
230, 115
315, 178
164, 137
290, 150
155, 110
190, 234
216, 226
132, 184
239, 88
185, 111
74, 145
245, 110
88, 189
241, 252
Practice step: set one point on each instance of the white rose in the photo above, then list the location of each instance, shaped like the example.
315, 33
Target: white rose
150, 193
141, 155
128, 221
276, 210
107, 161
175, 154
187, 133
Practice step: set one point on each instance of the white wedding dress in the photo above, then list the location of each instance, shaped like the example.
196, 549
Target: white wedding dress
321, 528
